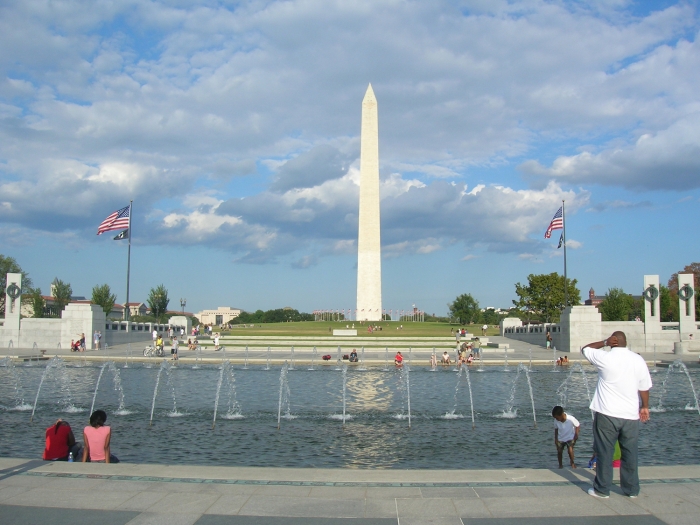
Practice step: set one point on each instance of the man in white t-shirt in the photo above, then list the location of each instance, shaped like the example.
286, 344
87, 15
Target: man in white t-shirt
566, 429
623, 378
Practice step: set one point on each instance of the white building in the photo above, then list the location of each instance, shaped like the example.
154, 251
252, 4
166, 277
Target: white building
222, 315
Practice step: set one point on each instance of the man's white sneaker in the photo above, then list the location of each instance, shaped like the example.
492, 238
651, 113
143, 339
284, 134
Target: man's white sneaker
592, 492
633, 496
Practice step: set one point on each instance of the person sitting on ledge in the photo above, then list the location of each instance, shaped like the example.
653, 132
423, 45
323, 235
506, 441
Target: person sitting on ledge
353, 356
398, 359
97, 438
60, 442
445, 358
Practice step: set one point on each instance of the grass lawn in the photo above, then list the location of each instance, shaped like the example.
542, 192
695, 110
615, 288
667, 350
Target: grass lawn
321, 328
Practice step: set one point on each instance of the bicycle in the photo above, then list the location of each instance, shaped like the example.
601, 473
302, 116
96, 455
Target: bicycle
153, 351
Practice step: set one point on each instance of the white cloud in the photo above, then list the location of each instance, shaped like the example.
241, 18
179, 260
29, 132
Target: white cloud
262, 101
469, 257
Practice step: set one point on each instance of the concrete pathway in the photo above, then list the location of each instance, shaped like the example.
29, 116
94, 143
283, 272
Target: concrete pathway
517, 351
34, 492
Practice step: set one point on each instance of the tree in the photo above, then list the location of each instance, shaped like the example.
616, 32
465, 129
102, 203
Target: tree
544, 296
668, 308
38, 303
465, 308
62, 293
616, 306
9, 265
489, 316
158, 302
104, 297
693, 268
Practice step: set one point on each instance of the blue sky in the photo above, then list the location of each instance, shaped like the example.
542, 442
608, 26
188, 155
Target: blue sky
234, 128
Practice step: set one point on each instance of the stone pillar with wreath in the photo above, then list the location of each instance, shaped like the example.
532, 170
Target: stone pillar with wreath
686, 306
13, 301
652, 309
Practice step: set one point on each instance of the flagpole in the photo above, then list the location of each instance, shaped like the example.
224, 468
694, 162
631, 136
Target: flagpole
566, 284
128, 271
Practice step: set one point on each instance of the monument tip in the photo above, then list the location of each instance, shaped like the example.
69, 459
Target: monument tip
369, 94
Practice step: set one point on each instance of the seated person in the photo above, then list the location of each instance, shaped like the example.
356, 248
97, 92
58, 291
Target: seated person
74, 346
190, 346
353, 356
470, 359
398, 359
97, 438
445, 358
60, 442
565, 360
159, 341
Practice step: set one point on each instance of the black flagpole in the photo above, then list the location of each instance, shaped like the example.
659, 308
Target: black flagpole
127, 313
563, 234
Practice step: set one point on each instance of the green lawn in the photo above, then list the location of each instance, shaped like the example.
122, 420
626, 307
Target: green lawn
321, 328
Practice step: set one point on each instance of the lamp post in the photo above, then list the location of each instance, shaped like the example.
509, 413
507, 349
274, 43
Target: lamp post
183, 302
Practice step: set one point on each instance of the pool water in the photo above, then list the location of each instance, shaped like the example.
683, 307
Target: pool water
375, 434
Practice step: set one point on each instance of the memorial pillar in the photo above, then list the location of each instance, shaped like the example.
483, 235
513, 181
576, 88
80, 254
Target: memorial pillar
13, 301
652, 309
686, 306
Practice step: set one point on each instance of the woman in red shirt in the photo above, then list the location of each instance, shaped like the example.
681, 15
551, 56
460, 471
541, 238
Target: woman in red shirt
59, 442
398, 359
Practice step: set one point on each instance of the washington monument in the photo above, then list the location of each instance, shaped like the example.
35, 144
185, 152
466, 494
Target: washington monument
369, 252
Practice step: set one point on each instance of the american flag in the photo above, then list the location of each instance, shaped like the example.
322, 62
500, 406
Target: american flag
116, 221
556, 224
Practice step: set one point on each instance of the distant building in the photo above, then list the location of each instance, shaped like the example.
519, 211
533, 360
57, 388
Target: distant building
222, 315
593, 299
136, 309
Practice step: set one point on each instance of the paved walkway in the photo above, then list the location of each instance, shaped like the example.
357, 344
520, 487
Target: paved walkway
517, 351
35, 492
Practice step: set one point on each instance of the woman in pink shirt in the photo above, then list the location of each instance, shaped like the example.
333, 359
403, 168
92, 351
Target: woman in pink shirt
96, 438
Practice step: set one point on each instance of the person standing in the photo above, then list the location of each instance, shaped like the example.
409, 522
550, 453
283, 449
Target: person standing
623, 378
549, 340
174, 348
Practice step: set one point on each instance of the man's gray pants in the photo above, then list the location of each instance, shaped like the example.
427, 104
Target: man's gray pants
606, 431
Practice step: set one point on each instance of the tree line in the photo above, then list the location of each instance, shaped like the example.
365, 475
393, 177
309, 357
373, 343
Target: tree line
279, 315
542, 299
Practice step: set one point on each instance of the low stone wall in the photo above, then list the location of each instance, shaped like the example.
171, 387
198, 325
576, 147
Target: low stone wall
46, 333
533, 334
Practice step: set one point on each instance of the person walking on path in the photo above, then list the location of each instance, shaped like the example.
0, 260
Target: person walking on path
623, 378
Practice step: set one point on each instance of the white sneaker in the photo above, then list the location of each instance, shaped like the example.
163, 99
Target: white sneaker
632, 496
595, 494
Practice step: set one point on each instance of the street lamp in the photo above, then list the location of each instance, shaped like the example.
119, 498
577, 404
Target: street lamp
183, 302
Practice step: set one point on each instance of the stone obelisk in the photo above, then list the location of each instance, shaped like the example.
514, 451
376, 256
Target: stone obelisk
369, 255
